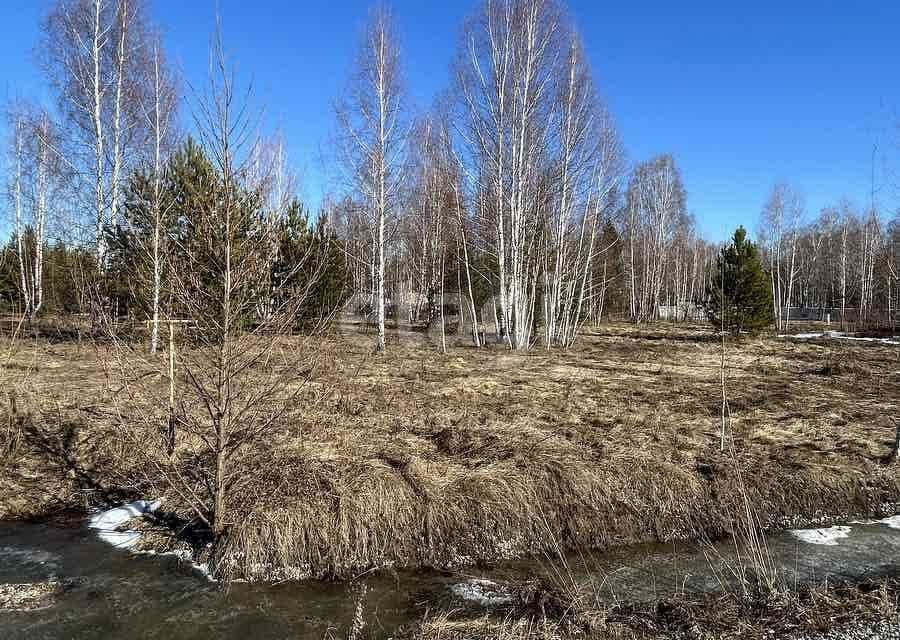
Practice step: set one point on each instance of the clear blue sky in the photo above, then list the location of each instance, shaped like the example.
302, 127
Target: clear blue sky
743, 94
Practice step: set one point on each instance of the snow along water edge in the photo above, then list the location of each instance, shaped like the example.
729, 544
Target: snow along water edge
837, 335
829, 536
110, 525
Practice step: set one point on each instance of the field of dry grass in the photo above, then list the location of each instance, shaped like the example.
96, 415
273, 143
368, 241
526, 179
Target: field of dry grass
421, 458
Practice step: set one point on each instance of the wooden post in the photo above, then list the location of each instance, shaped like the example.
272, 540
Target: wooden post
171, 434
170, 430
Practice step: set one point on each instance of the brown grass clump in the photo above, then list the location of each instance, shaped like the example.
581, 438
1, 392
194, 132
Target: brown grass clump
805, 612
445, 627
418, 458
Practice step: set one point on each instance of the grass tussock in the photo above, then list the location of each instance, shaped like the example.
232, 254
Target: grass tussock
805, 612
419, 458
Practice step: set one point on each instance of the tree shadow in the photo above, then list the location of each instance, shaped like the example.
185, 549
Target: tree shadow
54, 456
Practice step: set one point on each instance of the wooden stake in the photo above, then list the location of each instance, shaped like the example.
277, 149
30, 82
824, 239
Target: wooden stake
170, 432
171, 444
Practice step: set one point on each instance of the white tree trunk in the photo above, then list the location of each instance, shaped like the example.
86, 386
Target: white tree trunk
97, 44
40, 213
18, 152
117, 115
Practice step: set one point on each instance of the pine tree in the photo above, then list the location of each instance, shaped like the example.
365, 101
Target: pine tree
310, 263
609, 277
741, 298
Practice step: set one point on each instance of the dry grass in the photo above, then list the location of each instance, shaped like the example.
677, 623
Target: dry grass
445, 627
418, 458
810, 610
29, 596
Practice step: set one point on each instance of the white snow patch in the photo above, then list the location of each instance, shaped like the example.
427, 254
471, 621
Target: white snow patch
203, 569
108, 523
837, 335
828, 536
482, 592
892, 521
863, 339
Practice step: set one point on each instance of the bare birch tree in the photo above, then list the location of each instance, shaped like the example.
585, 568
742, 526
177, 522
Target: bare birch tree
589, 166
94, 54
17, 126
372, 119
76, 43
506, 78
779, 225
656, 205
36, 180
160, 115
542, 157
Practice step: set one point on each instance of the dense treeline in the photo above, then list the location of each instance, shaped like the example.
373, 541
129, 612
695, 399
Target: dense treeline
509, 210
844, 263
70, 283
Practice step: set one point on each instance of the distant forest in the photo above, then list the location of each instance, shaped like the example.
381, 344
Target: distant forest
513, 197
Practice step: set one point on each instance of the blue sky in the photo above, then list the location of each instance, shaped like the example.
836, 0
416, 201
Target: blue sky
742, 94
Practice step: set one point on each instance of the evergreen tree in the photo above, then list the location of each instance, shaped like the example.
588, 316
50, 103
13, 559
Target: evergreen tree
609, 271
67, 270
9, 274
121, 271
741, 298
187, 185
310, 263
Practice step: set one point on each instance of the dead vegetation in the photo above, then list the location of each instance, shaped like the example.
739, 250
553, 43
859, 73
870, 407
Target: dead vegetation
29, 596
810, 610
418, 458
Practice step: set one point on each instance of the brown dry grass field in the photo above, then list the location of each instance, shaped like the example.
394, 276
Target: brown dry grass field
418, 458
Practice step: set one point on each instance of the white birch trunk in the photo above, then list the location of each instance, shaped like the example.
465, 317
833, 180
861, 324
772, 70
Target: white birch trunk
18, 151
97, 45
117, 116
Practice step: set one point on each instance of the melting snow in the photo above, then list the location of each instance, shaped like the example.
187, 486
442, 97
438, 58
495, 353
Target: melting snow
893, 522
108, 523
828, 536
837, 335
483, 592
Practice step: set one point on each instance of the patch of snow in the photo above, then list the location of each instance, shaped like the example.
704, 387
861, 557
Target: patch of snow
203, 569
892, 521
837, 335
108, 523
109, 526
828, 536
483, 592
